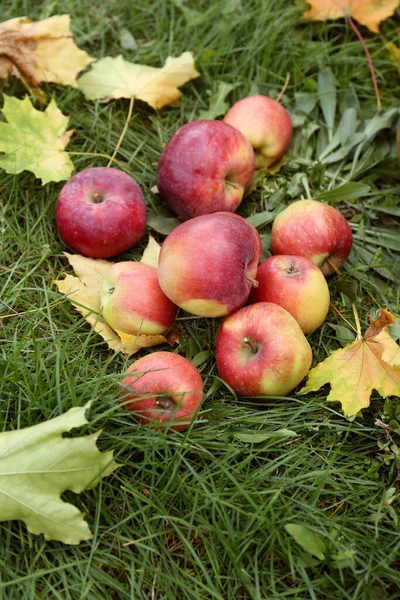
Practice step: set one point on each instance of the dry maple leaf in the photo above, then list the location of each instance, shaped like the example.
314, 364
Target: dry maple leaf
367, 12
371, 362
84, 293
112, 78
40, 51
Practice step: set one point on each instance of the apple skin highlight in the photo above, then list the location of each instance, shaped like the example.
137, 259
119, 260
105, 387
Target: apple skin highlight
261, 351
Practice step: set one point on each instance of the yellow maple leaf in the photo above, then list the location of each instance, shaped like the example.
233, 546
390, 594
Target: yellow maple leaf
371, 362
34, 140
84, 293
367, 12
41, 51
112, 78
394, 53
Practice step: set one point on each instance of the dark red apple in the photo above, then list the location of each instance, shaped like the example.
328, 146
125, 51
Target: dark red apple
204, 168
101, 212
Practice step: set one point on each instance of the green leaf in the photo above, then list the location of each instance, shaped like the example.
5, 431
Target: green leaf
34, 140
327, 97
162, 224
262, 218
38, 464
217, 105
307, 539
346, 192
255, 437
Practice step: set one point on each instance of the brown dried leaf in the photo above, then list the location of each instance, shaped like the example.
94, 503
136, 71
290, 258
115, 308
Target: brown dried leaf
40, 51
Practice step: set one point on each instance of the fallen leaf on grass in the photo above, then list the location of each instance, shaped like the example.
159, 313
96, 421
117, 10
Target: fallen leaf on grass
111, 78
38, 464
369, 363
84, 293
369, 13
40, 51
34, 140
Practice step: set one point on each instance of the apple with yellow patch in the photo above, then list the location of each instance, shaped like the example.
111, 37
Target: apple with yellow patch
207, 265
315, 230
265, 123
261, 351
132, 301
298, 285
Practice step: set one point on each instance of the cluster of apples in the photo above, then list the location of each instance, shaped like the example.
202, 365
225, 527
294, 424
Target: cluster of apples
210, 265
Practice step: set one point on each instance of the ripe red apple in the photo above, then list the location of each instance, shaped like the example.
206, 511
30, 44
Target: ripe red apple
261, 351
265, 123
298, 285
163, 387
101, 212
208, 264
204, 168
133, 302
315, 230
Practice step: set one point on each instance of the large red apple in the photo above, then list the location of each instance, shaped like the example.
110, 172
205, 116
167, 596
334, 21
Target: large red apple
133, 302
208, 264
265, 123
204, 168
315, 230
298, 285
261, 351
101, 212
163, 387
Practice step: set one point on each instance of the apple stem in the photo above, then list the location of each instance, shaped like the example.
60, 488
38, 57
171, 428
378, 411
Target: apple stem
164, 402
358, 324
97, 198
121, 137
232, 184
253, 282
334, 267
251, 344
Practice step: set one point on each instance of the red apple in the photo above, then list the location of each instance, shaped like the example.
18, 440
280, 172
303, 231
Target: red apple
261, 351
315, 230
101, 212
298, 285
163, 387
133, 302
265, 123
208, 264
204, 168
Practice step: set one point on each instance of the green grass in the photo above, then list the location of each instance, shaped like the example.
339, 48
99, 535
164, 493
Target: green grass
202, 514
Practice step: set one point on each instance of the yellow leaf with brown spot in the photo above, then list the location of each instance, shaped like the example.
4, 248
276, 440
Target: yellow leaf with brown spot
111, 78
84, 293
41, 51
367, 364
369, 13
